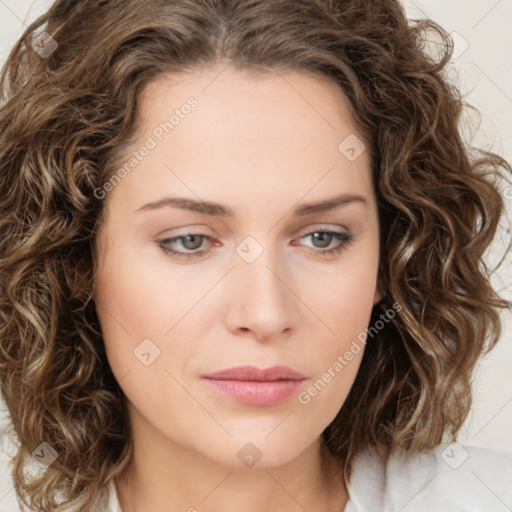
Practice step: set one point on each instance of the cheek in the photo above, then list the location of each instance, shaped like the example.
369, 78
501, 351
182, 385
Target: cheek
343, 300
137, 304
159, 302
343, 303
145, 298
346, 309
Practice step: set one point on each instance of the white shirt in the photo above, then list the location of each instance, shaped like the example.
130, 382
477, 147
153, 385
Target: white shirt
450, 478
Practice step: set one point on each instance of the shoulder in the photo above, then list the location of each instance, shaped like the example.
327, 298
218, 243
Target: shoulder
8, 499
107, 501
453, 478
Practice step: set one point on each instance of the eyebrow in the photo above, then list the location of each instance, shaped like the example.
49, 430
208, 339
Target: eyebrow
211, 208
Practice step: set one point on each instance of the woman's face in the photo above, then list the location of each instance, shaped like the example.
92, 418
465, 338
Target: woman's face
255, 284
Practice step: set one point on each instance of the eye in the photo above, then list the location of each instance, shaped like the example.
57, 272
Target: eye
191, 243
324, 238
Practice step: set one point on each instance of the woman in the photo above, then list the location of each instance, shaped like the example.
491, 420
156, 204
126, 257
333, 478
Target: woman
242, 261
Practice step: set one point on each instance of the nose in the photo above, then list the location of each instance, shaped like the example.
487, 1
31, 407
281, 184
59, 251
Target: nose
261, 299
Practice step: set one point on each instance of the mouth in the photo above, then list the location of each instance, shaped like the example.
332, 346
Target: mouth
253, 386
256, 374
256, 392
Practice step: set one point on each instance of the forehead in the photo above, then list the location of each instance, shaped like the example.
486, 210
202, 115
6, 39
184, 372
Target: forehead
273, 97
314, 89
247, 131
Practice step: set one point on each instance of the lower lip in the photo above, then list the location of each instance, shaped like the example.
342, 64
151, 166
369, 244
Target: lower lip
256, 393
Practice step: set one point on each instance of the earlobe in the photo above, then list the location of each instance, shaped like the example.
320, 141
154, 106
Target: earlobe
380, 290
378, 295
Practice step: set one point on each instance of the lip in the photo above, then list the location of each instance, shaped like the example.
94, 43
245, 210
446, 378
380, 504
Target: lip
256, 374
253, 386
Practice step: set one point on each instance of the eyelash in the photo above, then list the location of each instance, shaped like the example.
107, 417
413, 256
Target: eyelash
345, 239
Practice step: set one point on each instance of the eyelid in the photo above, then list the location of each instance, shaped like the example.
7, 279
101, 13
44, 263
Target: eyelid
321, 227
191, 230
188, 229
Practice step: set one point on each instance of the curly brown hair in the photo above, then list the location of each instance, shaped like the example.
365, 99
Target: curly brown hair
65, 119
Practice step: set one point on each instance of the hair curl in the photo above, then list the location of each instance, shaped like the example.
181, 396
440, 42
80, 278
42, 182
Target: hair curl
64, 121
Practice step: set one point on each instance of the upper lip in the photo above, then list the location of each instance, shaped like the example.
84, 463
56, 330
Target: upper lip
256, 374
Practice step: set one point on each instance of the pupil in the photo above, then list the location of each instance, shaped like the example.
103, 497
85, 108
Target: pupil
194, 245
324, 238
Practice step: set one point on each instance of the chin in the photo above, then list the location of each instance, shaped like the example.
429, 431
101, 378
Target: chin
257, 451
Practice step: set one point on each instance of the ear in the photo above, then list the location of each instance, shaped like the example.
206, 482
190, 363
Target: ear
379, 293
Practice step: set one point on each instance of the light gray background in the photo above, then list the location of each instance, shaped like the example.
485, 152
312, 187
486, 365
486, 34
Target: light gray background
484, 73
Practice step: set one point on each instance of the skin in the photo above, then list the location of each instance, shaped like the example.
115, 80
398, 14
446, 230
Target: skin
261, 145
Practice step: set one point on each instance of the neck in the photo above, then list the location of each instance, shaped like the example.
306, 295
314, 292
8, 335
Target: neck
180, 479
